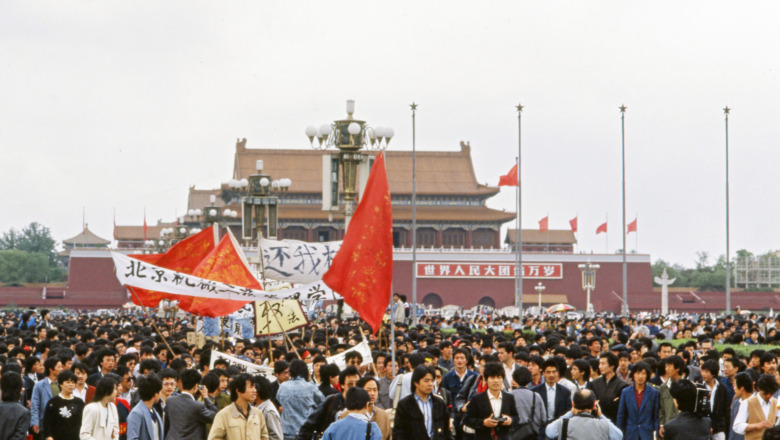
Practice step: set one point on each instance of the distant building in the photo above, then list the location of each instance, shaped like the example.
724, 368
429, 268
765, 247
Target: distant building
85, 240
552, 240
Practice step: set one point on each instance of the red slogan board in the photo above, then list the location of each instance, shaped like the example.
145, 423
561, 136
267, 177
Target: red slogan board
542, 271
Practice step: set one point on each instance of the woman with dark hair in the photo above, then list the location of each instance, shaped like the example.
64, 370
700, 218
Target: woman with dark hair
580, 374
298, 397
639, 405
100, 420
14, 418
329, 375
376, 415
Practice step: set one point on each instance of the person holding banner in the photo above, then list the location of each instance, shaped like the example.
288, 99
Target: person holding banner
298, 398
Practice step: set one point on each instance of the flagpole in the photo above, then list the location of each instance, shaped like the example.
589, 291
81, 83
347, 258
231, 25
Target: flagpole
623, 145
414, 214
728, 255
519, 235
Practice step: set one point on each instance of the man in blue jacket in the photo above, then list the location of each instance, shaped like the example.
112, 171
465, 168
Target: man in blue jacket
639, 403
143, 420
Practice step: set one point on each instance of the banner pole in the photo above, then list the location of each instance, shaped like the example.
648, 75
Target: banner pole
268, 326
292, 346
146, 311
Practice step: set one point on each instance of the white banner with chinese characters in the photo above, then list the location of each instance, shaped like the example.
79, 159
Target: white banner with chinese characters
297, 261
274, 317
341, 358
136, 273
542, 271
244, 366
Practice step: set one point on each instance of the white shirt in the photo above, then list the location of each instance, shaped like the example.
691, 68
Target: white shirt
81, 394
550, 401
508, 371
740, 421
712, 394
495, 402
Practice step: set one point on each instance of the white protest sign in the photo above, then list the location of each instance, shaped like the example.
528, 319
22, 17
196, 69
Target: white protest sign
341, 358
137, 273
244, 366
297, 261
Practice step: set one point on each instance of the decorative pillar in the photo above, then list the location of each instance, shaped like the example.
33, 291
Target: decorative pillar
439, 237
469, 243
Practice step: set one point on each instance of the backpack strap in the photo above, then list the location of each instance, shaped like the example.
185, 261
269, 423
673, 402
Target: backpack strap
564, 434
368, 430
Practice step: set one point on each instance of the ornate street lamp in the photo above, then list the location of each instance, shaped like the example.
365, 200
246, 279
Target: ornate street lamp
588, 281
539, 289
351, 136
263, 196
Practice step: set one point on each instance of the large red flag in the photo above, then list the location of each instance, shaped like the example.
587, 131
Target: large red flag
509, 179
631, 226
601, 228
573, 223
226, 264
362, 270
543, 224
183, 257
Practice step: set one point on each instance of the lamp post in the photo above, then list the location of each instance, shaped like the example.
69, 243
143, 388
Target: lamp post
539, 289
262, 202
588, 282
351, 137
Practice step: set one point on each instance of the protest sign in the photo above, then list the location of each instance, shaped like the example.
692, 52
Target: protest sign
297, 261
274, 317
244, 366
341, 358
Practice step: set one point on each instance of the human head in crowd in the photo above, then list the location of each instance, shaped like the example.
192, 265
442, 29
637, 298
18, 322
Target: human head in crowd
211, 382
299, 370
584, 400
422, 378
170, 379
149, 388
608, 363
641, 373
684, 394
580, 371
743, 385
551, 372
282, 371
52, 367
357, 400
105, 390
353, 358
371, 385
242, 385
674, 367
11, 384
348, 378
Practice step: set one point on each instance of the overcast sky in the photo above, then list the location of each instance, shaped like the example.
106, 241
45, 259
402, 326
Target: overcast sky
124, 105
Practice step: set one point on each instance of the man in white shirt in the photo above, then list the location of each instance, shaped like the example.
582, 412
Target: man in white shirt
759, 412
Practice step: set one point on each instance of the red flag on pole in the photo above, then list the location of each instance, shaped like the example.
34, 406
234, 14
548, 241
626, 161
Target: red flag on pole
362, 270
602, 228
509, 179
146, 228
543, 224
573, 223
631, 226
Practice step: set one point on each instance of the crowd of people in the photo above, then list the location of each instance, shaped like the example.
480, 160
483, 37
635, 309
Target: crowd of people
466, 378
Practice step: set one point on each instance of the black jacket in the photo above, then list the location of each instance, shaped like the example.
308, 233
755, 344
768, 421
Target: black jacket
410, 425
322, 417
608, 394
721, 412
687, 426
479, 409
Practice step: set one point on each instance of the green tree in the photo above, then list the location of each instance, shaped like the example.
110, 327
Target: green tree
37, 238
9, 240
17, 266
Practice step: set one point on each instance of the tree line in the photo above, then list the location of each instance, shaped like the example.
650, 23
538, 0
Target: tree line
709, 274
29, 255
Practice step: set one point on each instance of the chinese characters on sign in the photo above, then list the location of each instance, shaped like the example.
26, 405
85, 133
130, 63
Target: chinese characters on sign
297, 261
542, 271
276, 316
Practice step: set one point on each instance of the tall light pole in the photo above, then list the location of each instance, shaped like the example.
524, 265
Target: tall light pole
414, 213
539, 289
351, 137
519, 221
625, 269
726, 111
588, 282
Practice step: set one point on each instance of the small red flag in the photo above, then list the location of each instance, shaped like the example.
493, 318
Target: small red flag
362, 270
543, 224
631, 226
509, 179
146, 228
602, 228
573, 223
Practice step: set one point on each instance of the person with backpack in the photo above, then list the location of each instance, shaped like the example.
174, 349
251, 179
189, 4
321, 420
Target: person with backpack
530, 408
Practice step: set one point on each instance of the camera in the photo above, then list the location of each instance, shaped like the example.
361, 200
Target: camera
702, 408
500, 420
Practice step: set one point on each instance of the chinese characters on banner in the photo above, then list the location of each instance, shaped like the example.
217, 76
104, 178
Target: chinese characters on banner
244, 366
542, 271
289, 313
297, 261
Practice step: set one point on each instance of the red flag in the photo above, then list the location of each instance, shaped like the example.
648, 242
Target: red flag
183, 257
573, 223
362, 270
146, 228
226, 264
543, 224
602, 228
631, 226
509, 179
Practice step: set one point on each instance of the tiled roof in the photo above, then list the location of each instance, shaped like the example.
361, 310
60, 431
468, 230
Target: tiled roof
137, 232
86, 237
552, 236
404, 213
438, 172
